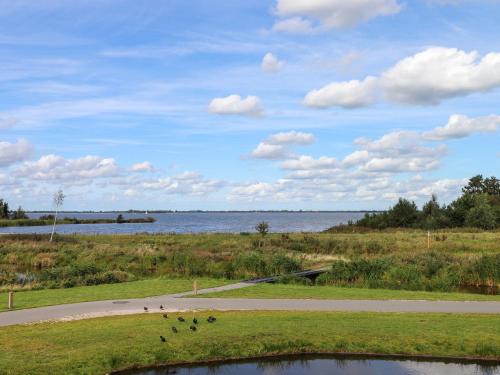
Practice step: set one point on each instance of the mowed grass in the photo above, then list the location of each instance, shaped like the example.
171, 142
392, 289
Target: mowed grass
133, 289
97, 346
270, 291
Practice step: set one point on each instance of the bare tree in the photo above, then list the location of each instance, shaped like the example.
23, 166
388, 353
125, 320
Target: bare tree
58, 202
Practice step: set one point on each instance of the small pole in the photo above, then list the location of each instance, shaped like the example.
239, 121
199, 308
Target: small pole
195, 287
11, 301
428, 239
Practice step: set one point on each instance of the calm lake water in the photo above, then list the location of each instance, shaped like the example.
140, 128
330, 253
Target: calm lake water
328, 366
198, 222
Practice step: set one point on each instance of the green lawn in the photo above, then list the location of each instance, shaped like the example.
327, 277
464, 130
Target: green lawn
330, 292
97, 346
133, 289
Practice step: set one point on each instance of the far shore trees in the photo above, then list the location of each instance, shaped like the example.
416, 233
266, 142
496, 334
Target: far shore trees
477, 207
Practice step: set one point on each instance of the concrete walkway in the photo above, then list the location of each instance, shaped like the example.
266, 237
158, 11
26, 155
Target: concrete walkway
174, 303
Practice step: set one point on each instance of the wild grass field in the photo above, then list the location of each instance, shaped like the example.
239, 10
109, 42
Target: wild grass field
97, 346
389, 259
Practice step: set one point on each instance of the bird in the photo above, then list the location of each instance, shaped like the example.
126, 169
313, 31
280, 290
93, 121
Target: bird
161, 307
145, 308
165, 316
195, 321
163, 339
211, 319
174, 329
192, 327
181, 319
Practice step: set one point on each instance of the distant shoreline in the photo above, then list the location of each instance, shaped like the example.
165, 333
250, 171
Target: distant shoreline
202, 211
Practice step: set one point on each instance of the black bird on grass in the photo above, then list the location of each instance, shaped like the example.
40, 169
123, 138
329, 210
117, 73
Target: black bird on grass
192, 327
163, 339
174, 329
211, 319
195, 321
145, 309
181, 319
161, 307
165, 316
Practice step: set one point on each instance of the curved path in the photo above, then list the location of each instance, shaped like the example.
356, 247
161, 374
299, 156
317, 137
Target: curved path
173, 302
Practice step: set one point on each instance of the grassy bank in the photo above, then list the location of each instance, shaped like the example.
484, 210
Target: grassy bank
97, 346
271, 291
133, 289
383, 259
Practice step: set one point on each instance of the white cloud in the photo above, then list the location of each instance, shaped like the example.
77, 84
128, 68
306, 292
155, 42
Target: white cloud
145, 166
291, 137
270, 151
274, 147
356, 157
58, 169
271, 64
460, 126
294, 25
187, 183
426, 78
439, 73
350, 94
330, 13
11, 153
235, 105
305, 162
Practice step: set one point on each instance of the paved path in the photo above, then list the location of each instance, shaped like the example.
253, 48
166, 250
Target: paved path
174, 303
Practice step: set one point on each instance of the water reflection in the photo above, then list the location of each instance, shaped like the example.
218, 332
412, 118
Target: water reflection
329, 366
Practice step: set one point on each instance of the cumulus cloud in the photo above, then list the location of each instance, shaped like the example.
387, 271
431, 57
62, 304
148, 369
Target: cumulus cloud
439, 73
275, 146
270, 151
350, 94
55, 168
11, 153
271, 64
426, 78
187, 183
291, 137
145, 166
299, 14
305, 162
460, 126
236, 105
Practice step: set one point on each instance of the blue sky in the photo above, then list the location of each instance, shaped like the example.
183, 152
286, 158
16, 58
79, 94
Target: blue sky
285, 104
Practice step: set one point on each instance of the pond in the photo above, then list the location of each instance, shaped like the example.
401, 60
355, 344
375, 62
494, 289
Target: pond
328, 365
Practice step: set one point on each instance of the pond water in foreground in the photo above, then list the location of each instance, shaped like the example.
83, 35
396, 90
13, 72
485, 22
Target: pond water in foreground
328, 366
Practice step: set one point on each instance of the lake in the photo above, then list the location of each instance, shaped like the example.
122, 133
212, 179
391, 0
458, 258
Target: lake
198, 222
310, 365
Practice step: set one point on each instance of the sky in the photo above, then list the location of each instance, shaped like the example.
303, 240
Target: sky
245, 105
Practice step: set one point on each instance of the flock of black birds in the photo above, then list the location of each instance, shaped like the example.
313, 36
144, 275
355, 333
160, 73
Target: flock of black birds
192, 327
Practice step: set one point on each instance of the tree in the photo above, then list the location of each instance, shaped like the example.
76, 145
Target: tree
120, 219
4, 209
403, 214
58, 201
262, 228
19, 214
482, 215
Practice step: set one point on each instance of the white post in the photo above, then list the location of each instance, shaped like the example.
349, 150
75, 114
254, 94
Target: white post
11, 301
428, 239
